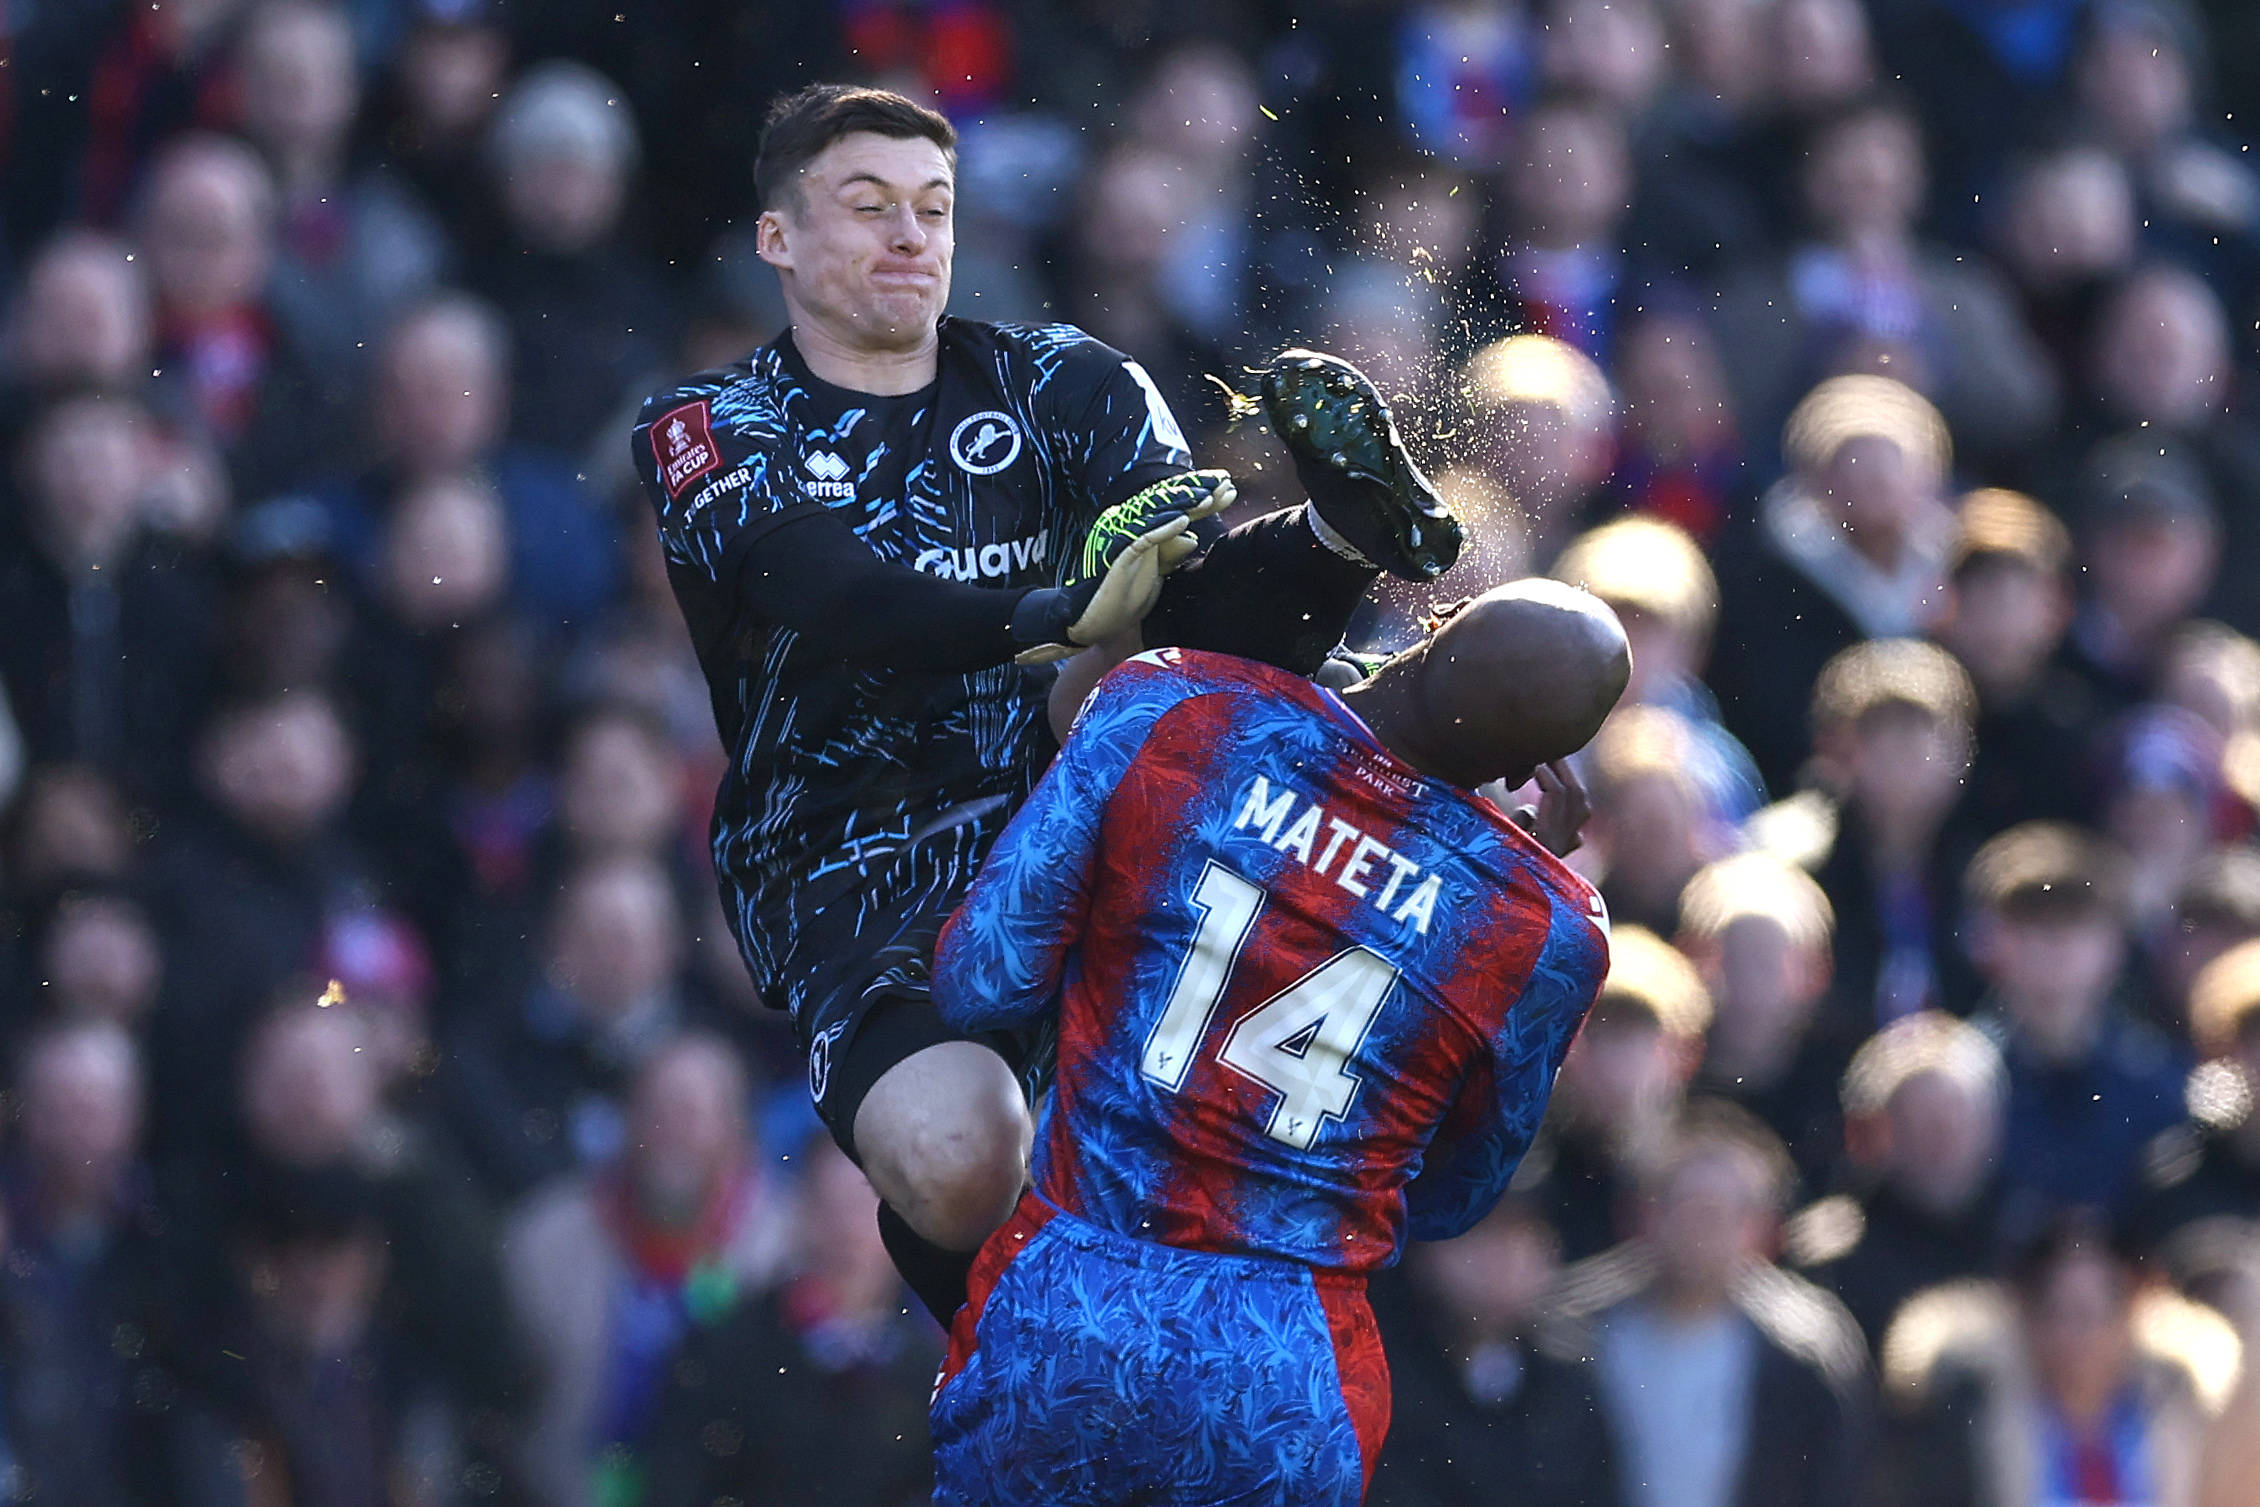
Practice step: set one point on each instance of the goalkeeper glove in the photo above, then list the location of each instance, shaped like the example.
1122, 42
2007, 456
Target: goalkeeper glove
1117, 578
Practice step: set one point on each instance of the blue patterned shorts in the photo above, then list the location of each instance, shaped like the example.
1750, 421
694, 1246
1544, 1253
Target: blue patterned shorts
1089, 1368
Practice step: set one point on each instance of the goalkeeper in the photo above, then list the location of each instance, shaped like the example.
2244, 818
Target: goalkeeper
876, 526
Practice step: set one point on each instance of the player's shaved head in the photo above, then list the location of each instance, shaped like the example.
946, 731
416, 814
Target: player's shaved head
1518, 677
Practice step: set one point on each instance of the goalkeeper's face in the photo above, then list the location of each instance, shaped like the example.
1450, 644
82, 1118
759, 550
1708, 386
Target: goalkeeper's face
864, 245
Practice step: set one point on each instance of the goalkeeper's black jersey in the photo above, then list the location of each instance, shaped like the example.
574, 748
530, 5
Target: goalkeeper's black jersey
852, 791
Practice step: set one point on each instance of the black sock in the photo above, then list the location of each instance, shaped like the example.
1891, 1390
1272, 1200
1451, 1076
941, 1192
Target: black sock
937, 1276
1267, 590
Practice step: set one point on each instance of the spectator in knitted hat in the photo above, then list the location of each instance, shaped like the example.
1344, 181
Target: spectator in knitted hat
2150, 542
316, 1119
588, 319
2161, 377
314, 1394
2163, 803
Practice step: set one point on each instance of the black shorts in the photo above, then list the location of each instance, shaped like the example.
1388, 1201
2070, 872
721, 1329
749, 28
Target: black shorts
870, 1005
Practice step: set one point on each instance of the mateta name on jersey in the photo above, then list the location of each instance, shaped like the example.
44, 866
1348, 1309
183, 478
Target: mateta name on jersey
1265, 812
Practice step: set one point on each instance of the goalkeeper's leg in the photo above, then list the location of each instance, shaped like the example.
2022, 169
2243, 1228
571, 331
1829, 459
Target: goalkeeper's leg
1281, 589
1269, 589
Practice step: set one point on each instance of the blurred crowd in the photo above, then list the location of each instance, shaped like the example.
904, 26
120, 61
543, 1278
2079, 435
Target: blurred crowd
1885, 363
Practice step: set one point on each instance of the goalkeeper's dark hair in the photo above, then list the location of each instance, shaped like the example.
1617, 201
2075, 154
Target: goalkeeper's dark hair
802, 124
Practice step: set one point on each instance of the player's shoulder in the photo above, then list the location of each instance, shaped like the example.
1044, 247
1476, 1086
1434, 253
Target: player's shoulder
1520, 847
727, 392
1198, 671
1547, 890
1572, 893
1030, 338
1147, 687
1064, 357
710, 427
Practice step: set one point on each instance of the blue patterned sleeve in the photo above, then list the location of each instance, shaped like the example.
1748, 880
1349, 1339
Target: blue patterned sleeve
1451, 1198
707, 456
999, 960
1115, 428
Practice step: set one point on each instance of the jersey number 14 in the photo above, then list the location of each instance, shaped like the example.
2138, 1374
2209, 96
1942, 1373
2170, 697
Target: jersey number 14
1295, 1043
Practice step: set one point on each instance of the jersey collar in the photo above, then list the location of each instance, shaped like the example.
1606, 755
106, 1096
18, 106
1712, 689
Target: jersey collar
796, 365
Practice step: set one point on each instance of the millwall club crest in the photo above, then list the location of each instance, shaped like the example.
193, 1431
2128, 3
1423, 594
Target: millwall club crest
820, 1060
985, 443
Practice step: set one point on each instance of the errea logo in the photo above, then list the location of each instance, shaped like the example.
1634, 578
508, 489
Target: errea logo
826, 476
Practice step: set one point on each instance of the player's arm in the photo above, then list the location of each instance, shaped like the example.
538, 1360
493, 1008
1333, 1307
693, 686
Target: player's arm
1475, 1154
728, 512
1110, 425
1000, 959
815, 576
1125, 458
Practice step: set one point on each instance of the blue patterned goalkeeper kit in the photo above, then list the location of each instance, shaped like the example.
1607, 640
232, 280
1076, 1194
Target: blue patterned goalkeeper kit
1307, 999
859, 801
